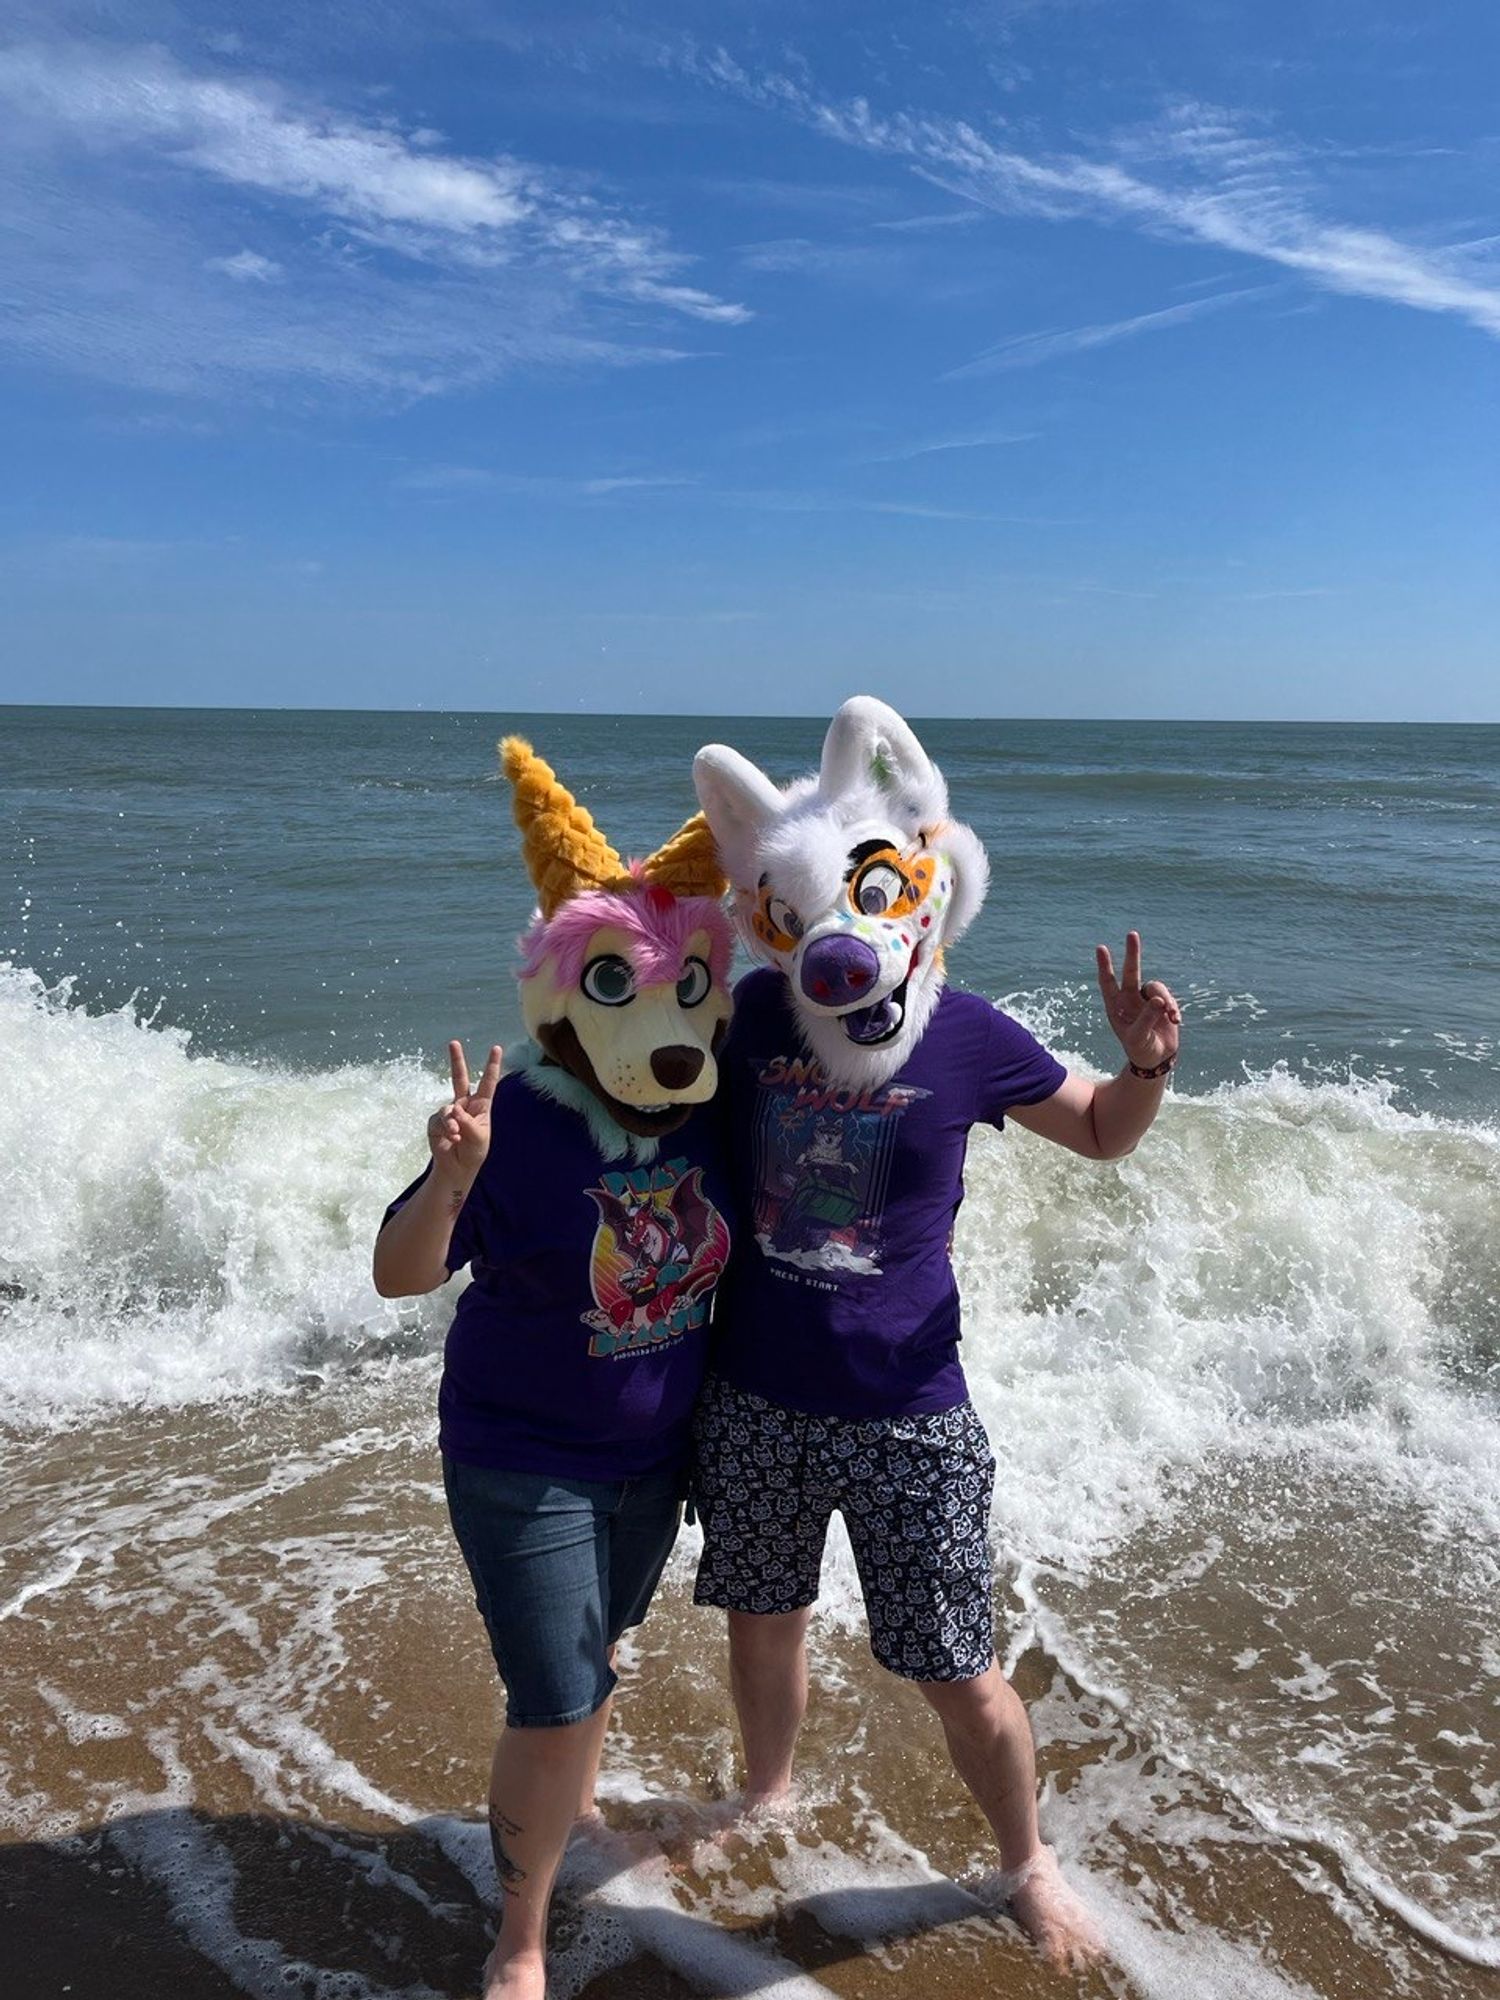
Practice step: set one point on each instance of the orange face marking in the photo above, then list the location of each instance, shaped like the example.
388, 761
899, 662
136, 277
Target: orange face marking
772, 923
890, 884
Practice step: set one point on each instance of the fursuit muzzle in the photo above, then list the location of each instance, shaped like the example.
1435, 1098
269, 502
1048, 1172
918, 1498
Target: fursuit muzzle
625, 969
851, 882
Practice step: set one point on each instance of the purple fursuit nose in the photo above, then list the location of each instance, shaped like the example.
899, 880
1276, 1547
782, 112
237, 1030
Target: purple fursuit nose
838, 971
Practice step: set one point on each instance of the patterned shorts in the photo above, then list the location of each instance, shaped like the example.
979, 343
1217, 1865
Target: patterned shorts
915, 1496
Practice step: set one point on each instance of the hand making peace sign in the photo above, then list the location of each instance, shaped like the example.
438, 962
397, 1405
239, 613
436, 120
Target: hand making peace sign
1146, 1018
459, 1131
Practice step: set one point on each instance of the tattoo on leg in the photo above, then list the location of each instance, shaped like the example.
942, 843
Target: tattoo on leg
501, 1830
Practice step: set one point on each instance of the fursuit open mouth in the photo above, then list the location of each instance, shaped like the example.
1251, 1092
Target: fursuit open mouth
646, 1121
869, 1026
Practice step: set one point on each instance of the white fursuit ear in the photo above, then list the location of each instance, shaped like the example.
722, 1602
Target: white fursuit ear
868, 744
739, 802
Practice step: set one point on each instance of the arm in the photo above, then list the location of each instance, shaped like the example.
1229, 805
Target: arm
411, 1251
1105, 1121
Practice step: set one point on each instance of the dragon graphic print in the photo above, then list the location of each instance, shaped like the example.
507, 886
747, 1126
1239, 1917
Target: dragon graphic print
659, 1250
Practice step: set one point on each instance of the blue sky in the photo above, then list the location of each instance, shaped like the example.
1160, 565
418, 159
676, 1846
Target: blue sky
1023, 357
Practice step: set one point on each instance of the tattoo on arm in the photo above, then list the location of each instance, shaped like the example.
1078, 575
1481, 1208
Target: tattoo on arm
501, 1830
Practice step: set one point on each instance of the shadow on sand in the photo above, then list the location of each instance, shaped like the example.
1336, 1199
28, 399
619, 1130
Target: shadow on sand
178, 1905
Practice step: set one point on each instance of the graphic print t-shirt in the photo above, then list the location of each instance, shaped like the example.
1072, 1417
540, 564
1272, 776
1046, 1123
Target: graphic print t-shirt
841, 1298
579, 1347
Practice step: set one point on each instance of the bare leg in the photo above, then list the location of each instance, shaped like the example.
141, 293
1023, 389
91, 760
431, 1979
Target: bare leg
536, 1782
587, 1809
990, 1742
768, 1676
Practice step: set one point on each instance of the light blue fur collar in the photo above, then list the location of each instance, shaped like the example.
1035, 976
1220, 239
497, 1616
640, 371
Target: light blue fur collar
560, 1086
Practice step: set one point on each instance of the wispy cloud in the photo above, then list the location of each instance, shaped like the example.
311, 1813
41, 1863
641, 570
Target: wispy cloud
593, 488
417, 267
805, 257
453, 480
776, 501
900, 454
1028, 350
247, 266
1198, 174
948, 218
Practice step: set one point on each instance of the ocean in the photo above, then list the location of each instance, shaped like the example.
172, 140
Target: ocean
1244, 1386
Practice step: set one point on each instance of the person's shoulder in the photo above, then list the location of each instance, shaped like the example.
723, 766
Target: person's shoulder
969, 1015
957, 1003
520, 1107
759, 1002
986, 1031
974, 1007
513, 1091
761, 986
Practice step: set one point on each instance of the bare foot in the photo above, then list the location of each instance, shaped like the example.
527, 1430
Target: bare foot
729, 1829
775, 1798
522, 1976
751, 1803
1052, 1916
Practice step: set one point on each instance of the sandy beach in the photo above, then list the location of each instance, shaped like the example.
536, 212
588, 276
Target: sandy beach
247, 1719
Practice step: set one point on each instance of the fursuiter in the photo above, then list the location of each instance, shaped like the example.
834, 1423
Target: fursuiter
624, 971
851, 883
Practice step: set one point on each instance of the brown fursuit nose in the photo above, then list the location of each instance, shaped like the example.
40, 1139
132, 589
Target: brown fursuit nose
676, 1067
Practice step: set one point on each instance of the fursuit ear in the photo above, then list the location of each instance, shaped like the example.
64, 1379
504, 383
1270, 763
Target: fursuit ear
869, 744
739, 802
688, 864
565, 852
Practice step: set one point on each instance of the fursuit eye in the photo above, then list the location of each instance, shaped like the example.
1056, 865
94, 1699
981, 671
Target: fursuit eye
784, 917
610, 980
694, 984
876, 888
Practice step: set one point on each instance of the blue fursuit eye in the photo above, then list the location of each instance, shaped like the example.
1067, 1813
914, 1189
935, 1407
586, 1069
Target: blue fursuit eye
610, 980
694, 984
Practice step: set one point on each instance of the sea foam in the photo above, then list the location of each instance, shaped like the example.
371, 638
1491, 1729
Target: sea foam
178, 1227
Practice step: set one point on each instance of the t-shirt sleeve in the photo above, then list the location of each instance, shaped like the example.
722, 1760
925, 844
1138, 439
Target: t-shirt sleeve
474, 1230
1016, 1069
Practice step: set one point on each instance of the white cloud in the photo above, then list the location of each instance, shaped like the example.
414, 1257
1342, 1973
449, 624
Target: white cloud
456, 479
594, 488
1026, 350
443, 479
1198, 174
949, 218
417, 269
246, 265
901, 453
774, 501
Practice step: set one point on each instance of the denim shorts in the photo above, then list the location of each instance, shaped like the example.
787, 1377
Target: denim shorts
560, 1568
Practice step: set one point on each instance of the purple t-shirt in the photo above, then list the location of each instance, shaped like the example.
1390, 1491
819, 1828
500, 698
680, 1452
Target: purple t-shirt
579, 1347
840, 1298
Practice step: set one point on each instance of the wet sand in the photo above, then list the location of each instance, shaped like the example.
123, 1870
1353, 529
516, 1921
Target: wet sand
247, 1720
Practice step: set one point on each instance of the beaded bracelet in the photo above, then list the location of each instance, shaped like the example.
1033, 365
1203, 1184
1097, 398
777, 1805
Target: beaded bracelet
1150, 1075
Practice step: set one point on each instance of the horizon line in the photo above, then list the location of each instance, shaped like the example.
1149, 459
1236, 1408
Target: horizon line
752, 715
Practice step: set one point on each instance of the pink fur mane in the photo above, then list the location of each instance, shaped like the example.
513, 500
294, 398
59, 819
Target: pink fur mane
656, 924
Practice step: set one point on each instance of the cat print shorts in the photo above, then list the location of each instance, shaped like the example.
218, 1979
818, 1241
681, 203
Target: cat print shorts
915, 1496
